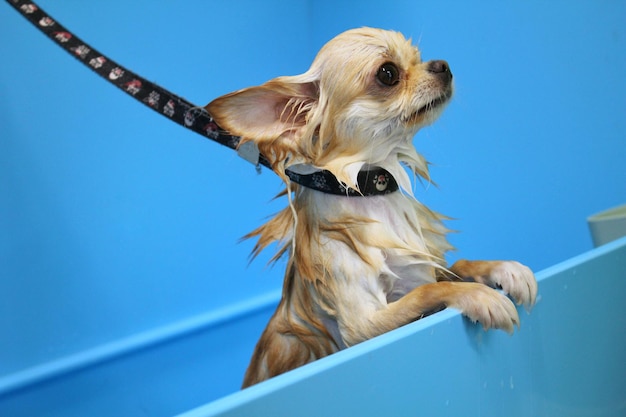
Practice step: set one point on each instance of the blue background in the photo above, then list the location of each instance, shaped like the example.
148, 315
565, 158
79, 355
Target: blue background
115, 221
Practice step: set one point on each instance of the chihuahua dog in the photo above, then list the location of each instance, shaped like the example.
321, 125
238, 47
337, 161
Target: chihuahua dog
365, 256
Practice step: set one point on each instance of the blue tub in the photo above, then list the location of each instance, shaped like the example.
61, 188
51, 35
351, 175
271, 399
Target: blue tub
568, 359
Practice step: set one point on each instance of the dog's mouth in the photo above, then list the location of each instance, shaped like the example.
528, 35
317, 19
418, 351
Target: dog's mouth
434, 104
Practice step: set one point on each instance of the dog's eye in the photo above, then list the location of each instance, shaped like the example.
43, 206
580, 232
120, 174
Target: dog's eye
388, 74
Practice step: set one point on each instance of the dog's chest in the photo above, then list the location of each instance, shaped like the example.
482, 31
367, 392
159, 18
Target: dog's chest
397, 280
393, 237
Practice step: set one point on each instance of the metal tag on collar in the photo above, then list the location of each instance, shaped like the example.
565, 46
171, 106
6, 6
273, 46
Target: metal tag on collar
250, 152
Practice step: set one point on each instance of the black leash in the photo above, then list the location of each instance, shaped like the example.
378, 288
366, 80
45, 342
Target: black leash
154, 96
376, 181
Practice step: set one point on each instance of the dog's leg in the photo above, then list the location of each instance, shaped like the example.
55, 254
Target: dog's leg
476, 301
286, 343
512, 277
276, 352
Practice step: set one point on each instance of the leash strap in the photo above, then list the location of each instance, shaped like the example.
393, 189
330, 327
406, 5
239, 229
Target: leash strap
376, 181
164, 102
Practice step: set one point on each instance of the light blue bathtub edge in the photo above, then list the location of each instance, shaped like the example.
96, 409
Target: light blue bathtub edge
91, 357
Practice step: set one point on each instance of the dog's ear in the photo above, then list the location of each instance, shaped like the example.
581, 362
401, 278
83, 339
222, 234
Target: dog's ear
275, 110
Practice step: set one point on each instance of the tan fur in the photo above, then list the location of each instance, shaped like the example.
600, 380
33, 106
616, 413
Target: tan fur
358, 266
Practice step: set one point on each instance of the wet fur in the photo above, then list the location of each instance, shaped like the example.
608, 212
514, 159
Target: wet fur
359, 266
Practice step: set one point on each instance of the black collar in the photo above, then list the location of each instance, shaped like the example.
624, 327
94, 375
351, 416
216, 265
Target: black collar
374, 181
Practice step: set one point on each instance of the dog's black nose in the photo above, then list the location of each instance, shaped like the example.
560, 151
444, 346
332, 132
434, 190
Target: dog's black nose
441, 69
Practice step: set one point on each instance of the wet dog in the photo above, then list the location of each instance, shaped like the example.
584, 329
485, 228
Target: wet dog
365, 256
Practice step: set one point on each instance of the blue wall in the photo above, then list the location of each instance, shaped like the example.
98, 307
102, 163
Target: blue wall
114, 221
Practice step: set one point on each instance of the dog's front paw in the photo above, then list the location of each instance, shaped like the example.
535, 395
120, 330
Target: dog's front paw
516, 280
512, 277
489, 307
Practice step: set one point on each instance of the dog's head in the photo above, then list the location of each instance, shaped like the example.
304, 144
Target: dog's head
364, 97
